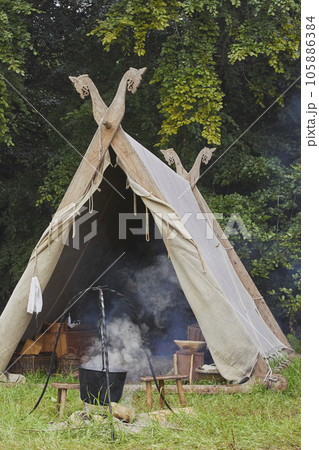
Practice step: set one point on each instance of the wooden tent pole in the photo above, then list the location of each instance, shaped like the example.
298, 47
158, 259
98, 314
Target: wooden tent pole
112, 134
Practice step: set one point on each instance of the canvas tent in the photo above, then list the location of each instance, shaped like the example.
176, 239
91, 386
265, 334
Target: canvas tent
233, 317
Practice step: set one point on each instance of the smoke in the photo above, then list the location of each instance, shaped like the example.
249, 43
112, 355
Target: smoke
150, 285
125, 349
126, 346
156, 287
159, 301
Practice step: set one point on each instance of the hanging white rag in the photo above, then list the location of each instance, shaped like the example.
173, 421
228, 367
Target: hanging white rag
35, 297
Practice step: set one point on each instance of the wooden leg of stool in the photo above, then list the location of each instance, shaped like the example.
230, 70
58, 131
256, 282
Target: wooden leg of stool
191, 369
175, 364
181, 394
149, 398
58, 400
161, 386
63, 401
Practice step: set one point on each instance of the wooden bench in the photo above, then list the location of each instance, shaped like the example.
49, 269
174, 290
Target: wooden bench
62, 393
161, 381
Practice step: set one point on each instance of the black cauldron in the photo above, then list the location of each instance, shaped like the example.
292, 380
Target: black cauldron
93, 387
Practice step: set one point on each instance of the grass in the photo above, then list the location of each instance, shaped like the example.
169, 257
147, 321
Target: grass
262, 419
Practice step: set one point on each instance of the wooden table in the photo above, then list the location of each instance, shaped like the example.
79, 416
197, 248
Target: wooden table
161, 381
62, 393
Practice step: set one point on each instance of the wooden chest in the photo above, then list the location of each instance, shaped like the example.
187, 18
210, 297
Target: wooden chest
76, 342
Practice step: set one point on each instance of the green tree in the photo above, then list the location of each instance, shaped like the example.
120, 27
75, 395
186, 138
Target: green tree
196, 40
15, 42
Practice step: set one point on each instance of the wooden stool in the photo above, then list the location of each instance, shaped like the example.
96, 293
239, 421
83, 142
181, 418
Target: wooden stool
62, 393
161, 380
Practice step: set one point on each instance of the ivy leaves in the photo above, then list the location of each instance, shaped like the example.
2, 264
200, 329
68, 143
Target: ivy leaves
190, 89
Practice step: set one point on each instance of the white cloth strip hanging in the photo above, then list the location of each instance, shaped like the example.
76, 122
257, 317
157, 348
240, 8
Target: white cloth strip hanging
35, 302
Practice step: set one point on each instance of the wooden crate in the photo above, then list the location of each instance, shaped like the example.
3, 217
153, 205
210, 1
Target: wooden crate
79, 341
31, 348
48, 340
69, 342
69, 362
25, 363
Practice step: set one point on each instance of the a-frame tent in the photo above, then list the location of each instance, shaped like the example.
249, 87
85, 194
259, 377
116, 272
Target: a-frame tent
237, 325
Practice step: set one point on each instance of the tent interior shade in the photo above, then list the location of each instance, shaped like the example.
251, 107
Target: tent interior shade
78, 268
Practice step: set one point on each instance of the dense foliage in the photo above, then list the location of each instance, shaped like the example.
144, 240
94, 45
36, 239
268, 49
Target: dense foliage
213, 68
197, 38
14, 41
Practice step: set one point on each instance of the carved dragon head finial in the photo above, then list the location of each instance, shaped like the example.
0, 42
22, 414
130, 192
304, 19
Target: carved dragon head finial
206, 154
81, 85
193, 175
134, 78
169, 156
